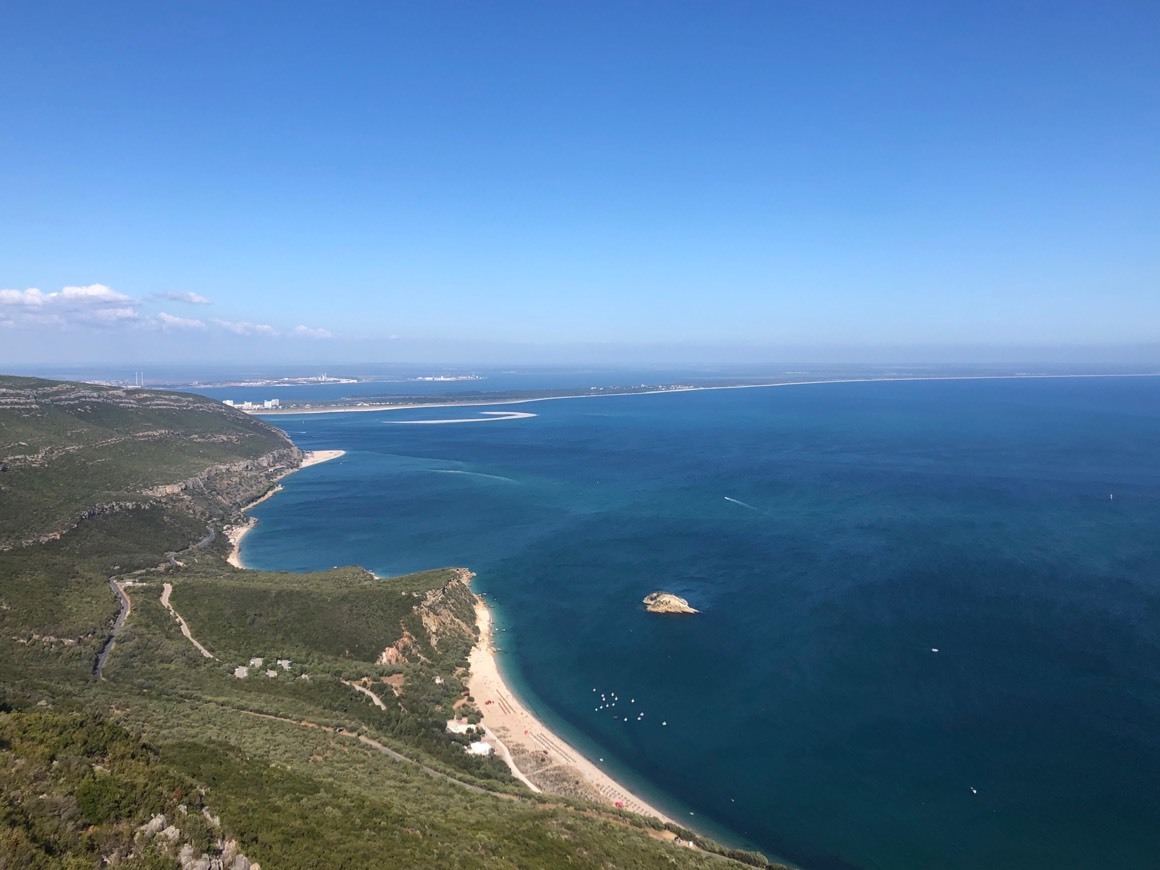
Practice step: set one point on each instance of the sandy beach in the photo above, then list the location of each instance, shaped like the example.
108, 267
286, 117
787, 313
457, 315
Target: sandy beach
234, 534
537, 755
314, 457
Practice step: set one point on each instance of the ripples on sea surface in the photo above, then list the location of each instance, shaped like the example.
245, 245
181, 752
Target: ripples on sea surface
833, 535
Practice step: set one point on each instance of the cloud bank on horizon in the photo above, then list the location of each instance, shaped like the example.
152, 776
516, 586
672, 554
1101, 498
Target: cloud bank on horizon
190, 298
99, 307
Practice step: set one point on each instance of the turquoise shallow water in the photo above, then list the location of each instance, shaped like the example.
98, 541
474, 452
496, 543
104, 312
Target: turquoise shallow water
833, 535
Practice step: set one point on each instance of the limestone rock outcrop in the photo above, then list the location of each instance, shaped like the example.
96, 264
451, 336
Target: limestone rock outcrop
666, 602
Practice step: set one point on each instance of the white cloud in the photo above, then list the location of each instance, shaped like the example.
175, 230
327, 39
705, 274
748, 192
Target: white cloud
32, 298
98, 306
310, 332
241, 327
92, 304
111, 315
189, 298
92, 294
168, 322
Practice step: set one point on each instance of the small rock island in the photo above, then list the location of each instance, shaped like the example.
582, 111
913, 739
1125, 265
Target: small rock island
666, 602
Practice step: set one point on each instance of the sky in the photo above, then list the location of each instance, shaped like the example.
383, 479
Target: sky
552, 181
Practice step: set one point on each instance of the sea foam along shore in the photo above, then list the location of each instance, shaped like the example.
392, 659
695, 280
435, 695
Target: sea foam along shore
235, 533
521, 738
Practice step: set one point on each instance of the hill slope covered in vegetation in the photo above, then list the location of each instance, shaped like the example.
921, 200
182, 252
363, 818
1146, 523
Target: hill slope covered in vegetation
160, 707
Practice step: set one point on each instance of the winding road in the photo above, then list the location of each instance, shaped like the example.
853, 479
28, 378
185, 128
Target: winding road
166, 591
126, 609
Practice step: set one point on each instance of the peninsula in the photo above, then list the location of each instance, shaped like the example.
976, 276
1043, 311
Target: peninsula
403, 401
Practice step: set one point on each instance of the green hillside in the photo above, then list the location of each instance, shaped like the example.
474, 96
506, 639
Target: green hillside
276, 731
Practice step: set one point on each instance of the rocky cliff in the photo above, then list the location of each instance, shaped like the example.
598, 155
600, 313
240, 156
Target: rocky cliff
441, 625
71, 453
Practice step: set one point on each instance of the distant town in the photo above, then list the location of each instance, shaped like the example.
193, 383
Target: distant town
268, 405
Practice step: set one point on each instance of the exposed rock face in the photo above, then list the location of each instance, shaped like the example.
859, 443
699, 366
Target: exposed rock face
442, 617
66, 428
224, 487
666, 602
233, 484
223, 855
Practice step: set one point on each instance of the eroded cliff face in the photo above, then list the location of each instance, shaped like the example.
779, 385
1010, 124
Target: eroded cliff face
232, 485
220, 490
74, 453
442, 624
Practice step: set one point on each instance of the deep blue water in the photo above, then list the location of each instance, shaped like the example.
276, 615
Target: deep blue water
806, 712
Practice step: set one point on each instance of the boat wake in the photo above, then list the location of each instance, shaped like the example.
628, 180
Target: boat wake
473, 474
747, 506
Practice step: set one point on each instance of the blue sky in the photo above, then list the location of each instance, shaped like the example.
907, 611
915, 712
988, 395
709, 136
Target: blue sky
387, 181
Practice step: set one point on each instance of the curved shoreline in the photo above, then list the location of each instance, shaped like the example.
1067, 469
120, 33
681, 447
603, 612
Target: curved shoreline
234, 534
517, 732
521, 734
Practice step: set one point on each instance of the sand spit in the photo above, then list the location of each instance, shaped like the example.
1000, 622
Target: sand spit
492, 416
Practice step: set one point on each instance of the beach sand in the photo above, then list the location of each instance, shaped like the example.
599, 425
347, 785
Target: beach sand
537, 755
314, 457
235, 533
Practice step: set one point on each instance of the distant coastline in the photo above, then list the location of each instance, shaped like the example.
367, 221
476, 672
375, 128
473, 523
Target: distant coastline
468, 402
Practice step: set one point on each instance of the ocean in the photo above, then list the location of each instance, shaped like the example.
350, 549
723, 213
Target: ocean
930, 627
